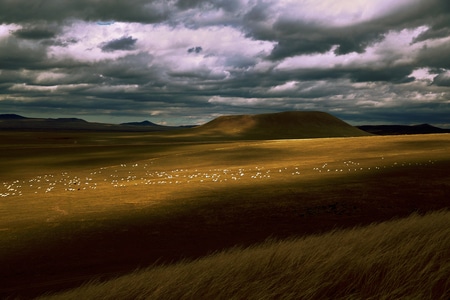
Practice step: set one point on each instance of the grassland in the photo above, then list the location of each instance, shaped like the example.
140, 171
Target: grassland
83, 206
401, 259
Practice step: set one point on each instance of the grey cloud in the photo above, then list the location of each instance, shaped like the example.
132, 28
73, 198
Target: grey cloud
434, 57
442, 80
260, 12
186, 4
15, 54
144, 11
197, 49
433, 33
124, 43
45, 34
227, 5
395, 74
136, 68
60, 42
35, 33
297, 38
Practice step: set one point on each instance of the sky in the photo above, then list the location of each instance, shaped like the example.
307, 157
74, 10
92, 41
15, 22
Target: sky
185, 62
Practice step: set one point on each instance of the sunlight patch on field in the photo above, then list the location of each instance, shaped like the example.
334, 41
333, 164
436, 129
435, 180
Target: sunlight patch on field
174, 174
129, 175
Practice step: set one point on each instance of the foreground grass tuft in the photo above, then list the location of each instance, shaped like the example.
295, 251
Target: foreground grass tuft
405, 258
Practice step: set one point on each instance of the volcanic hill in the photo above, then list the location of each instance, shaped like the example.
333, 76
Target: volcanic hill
283, 125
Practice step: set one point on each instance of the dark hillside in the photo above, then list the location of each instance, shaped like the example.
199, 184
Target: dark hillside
143, 123
11, 117
402, 129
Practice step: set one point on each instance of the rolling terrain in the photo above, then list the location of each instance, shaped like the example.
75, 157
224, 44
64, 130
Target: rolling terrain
77, 206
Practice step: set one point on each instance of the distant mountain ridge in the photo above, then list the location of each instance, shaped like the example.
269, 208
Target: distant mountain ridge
402, 129
17, 122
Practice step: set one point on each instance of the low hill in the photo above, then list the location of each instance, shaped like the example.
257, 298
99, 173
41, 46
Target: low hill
143, 123
284, 125
402, 129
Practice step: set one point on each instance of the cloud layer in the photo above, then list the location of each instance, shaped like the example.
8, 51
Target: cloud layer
185, 62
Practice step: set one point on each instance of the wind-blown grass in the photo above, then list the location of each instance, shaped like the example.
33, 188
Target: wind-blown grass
406, 258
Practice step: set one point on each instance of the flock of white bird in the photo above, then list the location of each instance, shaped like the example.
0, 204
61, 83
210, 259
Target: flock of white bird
125, 175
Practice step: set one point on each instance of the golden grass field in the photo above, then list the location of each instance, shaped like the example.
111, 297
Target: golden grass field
79, 206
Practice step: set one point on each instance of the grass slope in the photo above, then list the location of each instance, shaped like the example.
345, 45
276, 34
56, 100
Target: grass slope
406, 258
284, 125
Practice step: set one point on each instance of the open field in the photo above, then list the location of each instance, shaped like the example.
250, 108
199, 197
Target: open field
78, 206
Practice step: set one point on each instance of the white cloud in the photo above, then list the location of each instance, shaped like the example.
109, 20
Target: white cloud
338, 13
89, 37
46, 77
240, 101
6, 29
223, 48
423, 74
22, 87
115, 89
288, 86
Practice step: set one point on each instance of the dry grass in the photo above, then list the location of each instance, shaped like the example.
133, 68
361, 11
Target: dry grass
406, 258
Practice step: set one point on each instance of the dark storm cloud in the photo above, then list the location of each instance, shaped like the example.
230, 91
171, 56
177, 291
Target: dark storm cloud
197, 49
22, 54
124, 43
60, 42
442, 80
145, 11
186, 4
15, 54
395, 74
297, 38
35, 33
131, 69
435, 57
227, 5
433, 34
